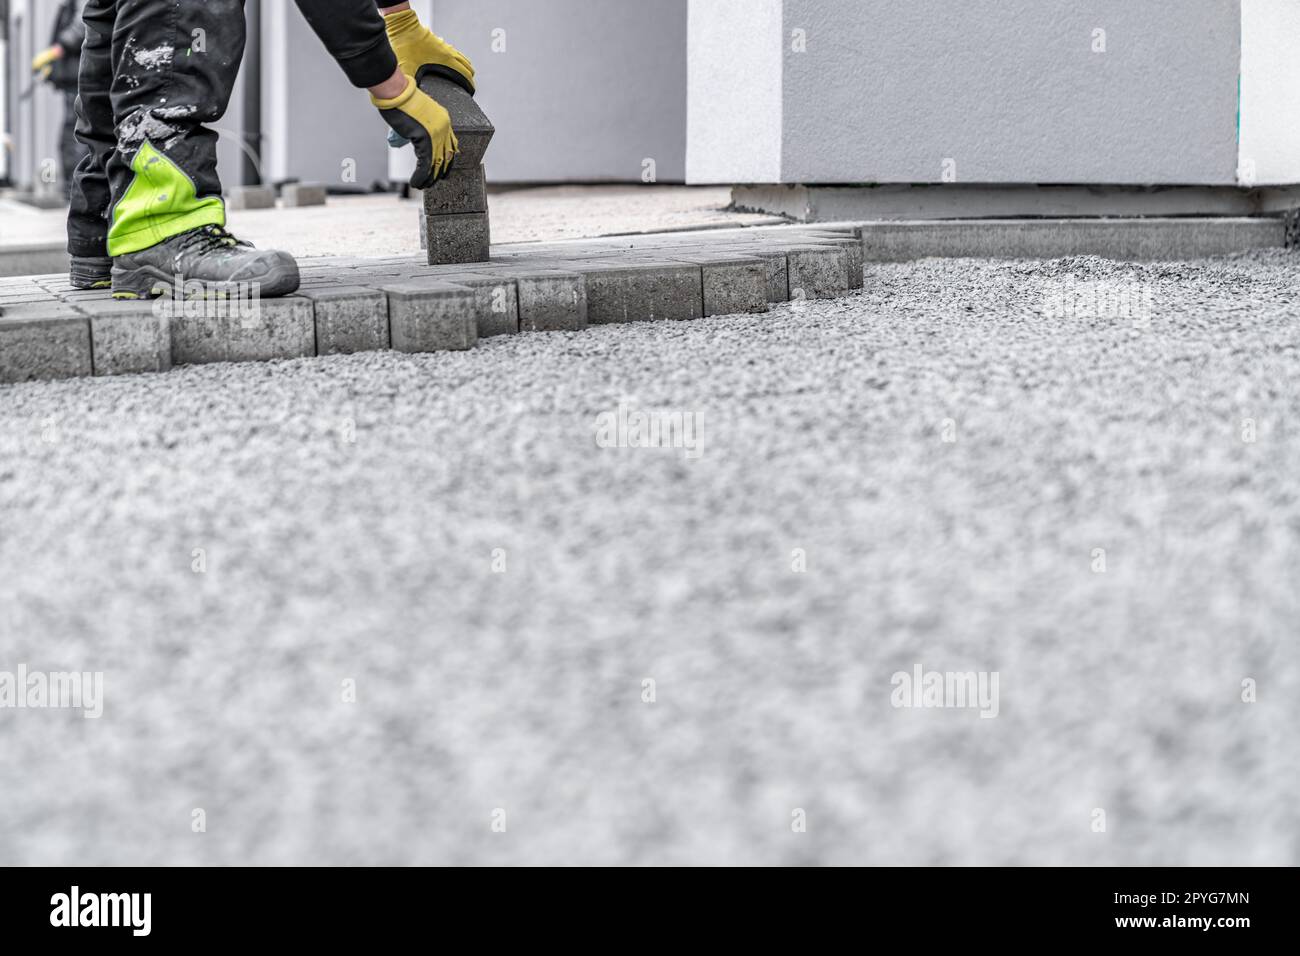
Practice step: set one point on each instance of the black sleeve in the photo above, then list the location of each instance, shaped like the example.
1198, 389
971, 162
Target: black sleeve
353, 32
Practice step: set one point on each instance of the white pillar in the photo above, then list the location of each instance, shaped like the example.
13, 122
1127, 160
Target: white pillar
1270, 93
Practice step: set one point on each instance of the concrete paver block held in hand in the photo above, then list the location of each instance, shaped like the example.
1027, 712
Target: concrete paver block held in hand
473, 129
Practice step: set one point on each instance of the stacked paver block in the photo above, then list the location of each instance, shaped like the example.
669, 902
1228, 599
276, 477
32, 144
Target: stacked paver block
454, 224
460, 192
348, 305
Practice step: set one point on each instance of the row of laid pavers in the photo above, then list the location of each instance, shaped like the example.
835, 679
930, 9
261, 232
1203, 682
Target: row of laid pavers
349, 305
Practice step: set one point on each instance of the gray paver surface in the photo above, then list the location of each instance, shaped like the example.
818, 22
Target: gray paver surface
625, 279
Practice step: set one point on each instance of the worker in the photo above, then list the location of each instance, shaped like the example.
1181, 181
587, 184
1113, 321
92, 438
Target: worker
146, 209
58, 64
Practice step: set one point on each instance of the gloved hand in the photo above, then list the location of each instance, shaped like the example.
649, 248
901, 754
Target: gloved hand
43, 62
420, 51
415, 116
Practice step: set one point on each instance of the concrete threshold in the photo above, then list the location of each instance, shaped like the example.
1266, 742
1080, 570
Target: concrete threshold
944, 201
1121, 239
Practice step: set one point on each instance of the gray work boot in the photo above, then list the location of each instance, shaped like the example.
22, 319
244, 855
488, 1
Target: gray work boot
91, 272
208, 260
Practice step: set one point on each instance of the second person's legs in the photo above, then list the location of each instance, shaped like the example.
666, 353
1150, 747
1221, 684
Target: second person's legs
90, 196
70, 151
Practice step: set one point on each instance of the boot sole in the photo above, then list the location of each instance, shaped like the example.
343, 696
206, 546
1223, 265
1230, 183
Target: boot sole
147, 282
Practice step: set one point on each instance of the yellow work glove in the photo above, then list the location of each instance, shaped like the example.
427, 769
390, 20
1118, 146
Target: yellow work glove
419, 51
415, 116
43, 62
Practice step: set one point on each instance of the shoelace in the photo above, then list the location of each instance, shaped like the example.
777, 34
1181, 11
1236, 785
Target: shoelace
209, 239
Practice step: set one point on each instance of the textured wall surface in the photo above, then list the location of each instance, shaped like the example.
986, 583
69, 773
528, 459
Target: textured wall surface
888, 90
583, 89
1053, 91
313, 119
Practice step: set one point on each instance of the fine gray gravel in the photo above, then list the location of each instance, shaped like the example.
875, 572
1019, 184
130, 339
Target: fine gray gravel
948, 450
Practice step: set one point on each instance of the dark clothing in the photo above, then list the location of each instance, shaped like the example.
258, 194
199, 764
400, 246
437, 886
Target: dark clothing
69, 30
353, 32
149, 83
69, 33
70, 151
90, 196
148, 75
